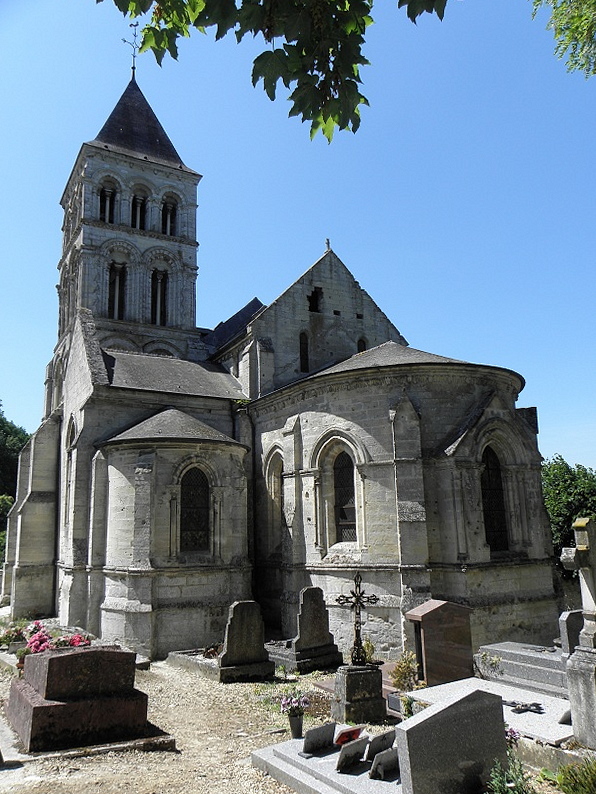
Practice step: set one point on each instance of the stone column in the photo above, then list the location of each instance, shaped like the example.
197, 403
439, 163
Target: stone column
581, 665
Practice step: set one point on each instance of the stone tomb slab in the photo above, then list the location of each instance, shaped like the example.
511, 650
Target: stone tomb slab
318, 774
91, 708
72, 674
551, 726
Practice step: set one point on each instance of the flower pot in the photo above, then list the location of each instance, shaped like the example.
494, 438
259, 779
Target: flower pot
296, 726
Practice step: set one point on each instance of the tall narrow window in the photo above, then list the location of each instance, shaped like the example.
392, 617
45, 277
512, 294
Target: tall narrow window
138, 212
361, 345
117, 292
493, 502
304, 364
106, 204
345, 499
194, 511
159, 294
168, 217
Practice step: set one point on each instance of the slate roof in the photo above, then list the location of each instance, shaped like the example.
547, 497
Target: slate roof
388, 354
235, 325
171, 425
162, 374
133, 127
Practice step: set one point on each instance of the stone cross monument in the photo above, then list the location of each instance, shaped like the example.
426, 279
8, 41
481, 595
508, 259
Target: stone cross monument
357, 599
358, 687
581, 665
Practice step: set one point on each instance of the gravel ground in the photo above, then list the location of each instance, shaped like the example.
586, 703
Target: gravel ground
216, 727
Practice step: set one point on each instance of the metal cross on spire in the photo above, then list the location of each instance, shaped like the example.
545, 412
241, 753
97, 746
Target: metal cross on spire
134, 44
357, 600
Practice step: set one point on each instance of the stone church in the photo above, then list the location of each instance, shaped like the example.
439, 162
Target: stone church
178, 469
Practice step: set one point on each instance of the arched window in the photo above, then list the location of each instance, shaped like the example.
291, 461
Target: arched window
361, 345
117, 291
194, 511
159, 297
138, 211
107, 201
276, 506
493, 502
304, 364
345, 499
169, 212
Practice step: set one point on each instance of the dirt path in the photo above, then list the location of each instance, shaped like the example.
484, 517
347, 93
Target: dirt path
216, 727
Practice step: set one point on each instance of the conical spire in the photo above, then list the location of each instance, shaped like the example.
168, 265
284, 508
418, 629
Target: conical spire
133, 127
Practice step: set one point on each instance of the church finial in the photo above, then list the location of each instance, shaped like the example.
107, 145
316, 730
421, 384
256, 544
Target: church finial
134, 45
327, 244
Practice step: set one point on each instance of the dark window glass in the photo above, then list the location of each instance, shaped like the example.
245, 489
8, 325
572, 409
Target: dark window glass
304, 367
117, 292
345, 502
194, 511
493, 502
159, 297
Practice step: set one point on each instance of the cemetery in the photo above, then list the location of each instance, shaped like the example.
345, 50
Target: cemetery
449, 736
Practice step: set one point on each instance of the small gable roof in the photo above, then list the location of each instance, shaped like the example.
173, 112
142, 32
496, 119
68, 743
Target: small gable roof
171, 425
173, 375
132, 127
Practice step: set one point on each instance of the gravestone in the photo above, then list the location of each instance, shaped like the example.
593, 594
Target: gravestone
313, 648
581, 665
351, 753
570, 625
318, 739
452, 746
72, 697
379, 743
384, 763
244, 657
443, 641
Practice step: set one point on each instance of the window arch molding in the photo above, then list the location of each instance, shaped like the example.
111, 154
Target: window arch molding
171, 208
339, 490
140, 206
187, 541
273, 469
108, 197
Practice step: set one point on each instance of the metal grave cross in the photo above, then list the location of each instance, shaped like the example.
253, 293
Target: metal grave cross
356, 600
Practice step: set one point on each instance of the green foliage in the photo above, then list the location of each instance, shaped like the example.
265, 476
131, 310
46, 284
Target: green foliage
573, 23
404, 675
12, 440
6, 502
578, 778
318, 56
511, 779
569, 493
369, 650
487, 664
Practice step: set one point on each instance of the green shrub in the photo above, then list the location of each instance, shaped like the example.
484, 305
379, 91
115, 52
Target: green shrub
404, 676
578, 778
511, 779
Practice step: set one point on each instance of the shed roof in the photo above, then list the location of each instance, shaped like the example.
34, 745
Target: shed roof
173, 375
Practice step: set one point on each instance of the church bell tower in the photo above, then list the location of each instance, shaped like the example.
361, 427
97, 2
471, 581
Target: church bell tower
129, 245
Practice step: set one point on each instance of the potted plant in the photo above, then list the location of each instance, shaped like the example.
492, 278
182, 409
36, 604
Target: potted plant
293, 704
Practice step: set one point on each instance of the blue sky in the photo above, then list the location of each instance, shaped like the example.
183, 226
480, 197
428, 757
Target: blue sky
464, 205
